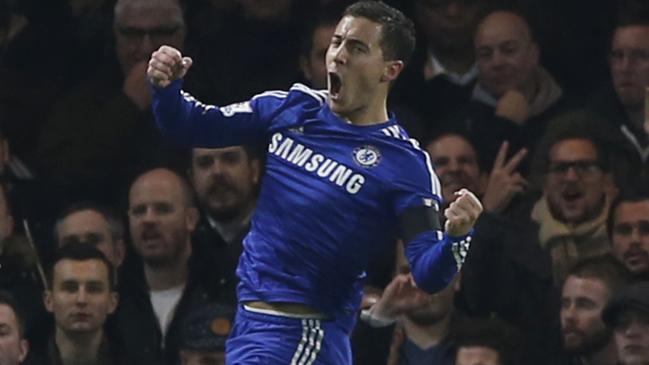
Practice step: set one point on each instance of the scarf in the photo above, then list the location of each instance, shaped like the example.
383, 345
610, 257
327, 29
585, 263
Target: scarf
569, 243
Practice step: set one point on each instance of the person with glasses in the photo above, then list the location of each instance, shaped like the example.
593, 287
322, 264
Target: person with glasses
577, 185
100, 134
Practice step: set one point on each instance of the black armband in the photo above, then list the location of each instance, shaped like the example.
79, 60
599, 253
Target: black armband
415, 220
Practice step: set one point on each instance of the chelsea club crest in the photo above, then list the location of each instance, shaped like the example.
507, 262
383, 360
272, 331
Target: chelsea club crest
367, 156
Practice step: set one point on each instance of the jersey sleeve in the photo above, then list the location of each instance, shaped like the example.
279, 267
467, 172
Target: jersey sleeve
192, 123
433, 256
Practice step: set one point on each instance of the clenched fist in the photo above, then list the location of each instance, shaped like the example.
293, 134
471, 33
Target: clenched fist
462, 213
167, 64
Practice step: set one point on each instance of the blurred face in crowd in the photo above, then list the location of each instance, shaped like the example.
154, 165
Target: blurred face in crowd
575, 185
80, 297
582, 302
456, 164
225, 180
448, 24
313, 64
632, 337
160, 218
630, 64
202, 358
141, 28
13, 348
630, 236
92, 227
358, 74
477, 355
427, 309
505, 54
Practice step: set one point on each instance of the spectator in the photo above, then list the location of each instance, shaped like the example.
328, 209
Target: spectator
514, 96
81, 296
424, 322
205, 334
99, 135
572, 212
443, 72
13, 345
487, 342
588, 287
628, 315
95, 225
19, 270
507, 274
314, 48
226, 181
166, 288
628, 230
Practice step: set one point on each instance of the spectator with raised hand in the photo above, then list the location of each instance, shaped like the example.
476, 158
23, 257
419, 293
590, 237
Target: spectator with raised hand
101, 134
514, 97
419, 324
507, 273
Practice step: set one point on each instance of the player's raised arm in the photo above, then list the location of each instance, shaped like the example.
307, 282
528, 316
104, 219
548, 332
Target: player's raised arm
435, 256
192, 123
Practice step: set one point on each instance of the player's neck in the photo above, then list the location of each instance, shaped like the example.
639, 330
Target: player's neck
78, 346
375, 112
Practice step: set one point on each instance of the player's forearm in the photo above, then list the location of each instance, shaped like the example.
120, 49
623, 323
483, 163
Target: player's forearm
434, 262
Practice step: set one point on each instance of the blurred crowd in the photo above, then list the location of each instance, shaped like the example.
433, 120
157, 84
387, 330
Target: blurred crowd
119, 247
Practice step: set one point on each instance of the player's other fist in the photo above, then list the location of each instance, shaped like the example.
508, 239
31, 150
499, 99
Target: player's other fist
462, 213
167, 64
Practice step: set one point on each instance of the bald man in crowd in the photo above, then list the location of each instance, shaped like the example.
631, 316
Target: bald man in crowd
514, 96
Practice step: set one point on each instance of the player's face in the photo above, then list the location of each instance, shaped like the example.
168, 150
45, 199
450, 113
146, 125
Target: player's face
582, 302
630, 64
477, 355
355, 66
80, 297
160, 221
91, 227
575, 186
13, 349
632, 337
456, 165
141, 30
630, 236
225, 180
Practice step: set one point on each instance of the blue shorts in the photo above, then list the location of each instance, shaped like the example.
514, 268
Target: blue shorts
274, 339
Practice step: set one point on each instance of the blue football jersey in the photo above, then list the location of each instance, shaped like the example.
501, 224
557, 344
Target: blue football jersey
330, 195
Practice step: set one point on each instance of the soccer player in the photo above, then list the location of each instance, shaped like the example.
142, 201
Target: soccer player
342, 178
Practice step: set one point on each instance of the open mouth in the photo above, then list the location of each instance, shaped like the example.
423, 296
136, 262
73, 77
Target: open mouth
571, 196
335, 84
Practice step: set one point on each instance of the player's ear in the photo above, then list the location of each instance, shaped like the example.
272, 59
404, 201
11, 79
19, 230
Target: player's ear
392, 70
